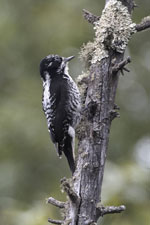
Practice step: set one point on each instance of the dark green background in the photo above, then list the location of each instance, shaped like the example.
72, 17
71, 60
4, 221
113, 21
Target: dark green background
30, 170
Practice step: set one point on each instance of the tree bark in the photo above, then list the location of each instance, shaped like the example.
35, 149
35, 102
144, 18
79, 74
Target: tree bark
104, 61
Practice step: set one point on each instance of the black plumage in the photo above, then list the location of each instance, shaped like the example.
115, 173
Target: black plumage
61, 104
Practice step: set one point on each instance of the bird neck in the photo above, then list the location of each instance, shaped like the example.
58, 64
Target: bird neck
66, 70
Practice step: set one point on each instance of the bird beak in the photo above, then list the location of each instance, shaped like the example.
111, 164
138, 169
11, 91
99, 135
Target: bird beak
69, 58
65, 61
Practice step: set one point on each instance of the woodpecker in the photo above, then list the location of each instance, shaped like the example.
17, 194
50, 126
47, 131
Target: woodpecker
61, 104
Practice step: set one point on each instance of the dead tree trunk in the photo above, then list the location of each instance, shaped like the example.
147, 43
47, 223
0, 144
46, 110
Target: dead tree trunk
104, 61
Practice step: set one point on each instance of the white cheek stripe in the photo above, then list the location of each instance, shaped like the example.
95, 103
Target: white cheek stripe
66, 71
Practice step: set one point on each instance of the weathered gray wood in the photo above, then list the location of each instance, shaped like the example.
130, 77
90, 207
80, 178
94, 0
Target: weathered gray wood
98, 85
95, 125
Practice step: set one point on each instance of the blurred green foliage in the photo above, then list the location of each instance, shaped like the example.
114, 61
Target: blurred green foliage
30, 171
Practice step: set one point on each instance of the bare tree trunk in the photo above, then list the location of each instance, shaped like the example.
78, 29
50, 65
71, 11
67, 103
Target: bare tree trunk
104, 60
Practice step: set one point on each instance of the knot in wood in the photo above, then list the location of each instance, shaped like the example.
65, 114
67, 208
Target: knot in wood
91, 109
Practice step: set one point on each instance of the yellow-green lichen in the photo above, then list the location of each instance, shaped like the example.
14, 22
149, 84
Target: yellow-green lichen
82, 81
80, 78
86, 52
145, 20
112, 31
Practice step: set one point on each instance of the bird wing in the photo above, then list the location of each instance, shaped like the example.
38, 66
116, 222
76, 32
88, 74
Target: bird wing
61, 118
60, 122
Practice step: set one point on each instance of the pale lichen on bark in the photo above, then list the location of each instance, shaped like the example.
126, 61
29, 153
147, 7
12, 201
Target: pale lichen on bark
112, 31
82, 81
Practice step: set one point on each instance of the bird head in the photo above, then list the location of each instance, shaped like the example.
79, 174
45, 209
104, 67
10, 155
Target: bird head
53, 65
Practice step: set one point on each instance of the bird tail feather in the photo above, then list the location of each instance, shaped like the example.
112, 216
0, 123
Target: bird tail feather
68, 151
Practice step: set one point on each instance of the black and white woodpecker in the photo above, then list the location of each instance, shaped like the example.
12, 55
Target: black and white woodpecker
61, 104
